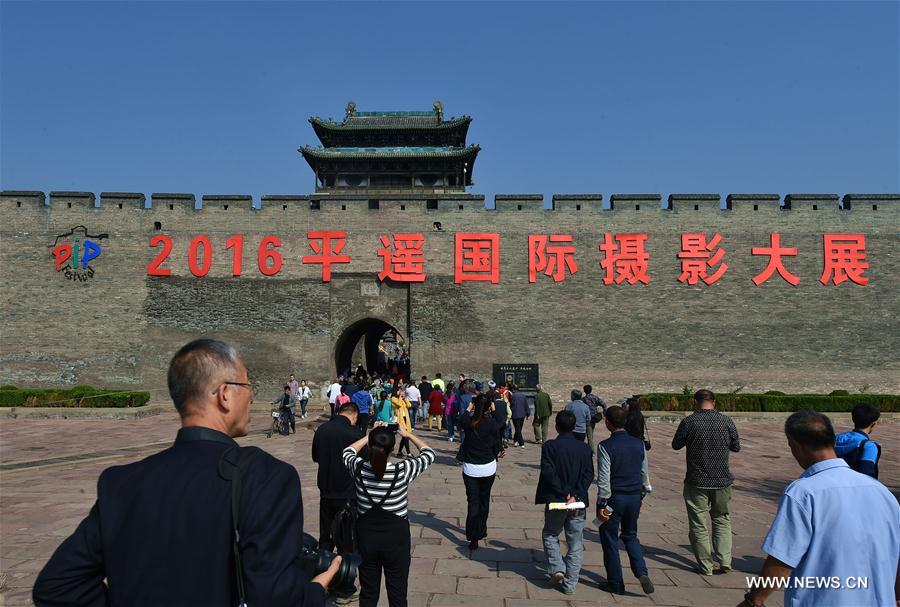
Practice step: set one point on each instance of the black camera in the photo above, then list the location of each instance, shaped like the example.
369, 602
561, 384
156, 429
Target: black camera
315, 561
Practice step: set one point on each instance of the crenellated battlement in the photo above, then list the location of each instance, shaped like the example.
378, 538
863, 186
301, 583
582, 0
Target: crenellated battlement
446, 202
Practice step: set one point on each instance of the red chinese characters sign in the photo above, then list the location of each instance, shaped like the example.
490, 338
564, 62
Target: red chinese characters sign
326, 246
404, 258
552, 255
624, 258
477, 258
701, 260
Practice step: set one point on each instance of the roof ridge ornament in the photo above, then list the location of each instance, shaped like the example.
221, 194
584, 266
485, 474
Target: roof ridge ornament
439, 109
351, 109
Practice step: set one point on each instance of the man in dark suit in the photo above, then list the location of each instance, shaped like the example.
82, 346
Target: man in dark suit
335, 484
160, 532
567, 470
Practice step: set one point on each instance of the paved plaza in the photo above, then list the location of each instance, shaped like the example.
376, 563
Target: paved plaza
49, 469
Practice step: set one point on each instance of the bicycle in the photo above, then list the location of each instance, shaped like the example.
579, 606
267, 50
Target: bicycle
279, 424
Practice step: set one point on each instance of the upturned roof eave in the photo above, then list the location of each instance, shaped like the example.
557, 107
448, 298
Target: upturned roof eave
344, 126
308, 152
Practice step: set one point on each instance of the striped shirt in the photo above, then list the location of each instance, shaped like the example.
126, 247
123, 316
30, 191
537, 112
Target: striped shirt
404, 472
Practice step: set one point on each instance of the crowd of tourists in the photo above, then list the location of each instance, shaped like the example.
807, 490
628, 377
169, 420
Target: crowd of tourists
836, 520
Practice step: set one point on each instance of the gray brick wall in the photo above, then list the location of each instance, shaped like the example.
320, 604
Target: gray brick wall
120, 327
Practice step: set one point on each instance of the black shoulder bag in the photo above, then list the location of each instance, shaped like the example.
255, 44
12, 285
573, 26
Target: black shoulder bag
234, 463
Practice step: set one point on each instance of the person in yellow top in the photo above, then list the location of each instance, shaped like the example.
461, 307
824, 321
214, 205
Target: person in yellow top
438, 382
401, 411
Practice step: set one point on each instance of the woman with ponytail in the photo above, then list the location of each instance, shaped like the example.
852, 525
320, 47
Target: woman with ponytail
382, 529
478, 454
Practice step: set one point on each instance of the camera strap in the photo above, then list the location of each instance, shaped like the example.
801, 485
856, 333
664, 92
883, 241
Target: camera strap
233, 464
362, 483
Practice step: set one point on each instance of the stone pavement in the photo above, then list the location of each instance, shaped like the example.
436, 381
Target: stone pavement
49, 468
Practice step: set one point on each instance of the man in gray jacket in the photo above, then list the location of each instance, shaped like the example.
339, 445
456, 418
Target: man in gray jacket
582, 415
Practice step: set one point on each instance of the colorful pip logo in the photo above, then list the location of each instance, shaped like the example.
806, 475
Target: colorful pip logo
74, 251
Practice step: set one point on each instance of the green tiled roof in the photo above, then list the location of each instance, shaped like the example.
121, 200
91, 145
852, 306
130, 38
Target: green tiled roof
390, 121
402, 152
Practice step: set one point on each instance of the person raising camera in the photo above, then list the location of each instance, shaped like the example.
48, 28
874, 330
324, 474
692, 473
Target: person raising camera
382, 529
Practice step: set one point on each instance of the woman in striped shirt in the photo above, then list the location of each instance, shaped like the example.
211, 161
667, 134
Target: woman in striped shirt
382, 529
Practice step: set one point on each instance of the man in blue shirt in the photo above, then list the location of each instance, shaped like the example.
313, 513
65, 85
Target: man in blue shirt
582, 415
363, 400
835, 539
859, 451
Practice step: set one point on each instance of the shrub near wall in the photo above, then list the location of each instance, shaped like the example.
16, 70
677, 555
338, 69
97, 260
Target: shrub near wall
773, 402
79, 396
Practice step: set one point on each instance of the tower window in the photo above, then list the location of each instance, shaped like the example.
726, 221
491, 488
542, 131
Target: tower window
402, 207
577, 207
225, 207
373, 204
431, 204
696, 207
343, 207
637, 207
874, 207
315, 205
68, 205
157, 226
756, 207
815, 207
120, 205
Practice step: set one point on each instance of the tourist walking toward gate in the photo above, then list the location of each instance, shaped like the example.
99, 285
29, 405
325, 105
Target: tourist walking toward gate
597, 407
478, 454
543, 409
402, 413
414, 396
363, 400
382, 529
435, 407
424, 391
832, 524
501, 413
567, 471
582, 414
451, 411
518, 404
709, 437
335, 484
856, 446
621, 479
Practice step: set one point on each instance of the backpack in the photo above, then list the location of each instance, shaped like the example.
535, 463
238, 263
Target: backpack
853, 458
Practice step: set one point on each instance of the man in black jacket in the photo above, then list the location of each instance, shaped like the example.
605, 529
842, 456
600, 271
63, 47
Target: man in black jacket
335, 484
567, 470
160, 532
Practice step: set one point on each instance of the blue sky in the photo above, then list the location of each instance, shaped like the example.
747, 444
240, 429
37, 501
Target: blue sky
599, 97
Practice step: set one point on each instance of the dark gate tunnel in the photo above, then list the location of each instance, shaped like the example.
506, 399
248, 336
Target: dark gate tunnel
369, 329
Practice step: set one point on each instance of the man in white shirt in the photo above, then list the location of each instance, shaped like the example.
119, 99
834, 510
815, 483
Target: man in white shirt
334, 390
414, 396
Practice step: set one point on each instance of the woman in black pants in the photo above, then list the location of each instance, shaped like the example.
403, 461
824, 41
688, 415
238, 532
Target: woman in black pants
382, 529
478, 453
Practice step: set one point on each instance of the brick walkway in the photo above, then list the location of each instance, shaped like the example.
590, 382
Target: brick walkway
41, 504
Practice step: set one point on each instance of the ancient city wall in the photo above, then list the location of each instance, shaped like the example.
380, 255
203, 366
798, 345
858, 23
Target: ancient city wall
120, 326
